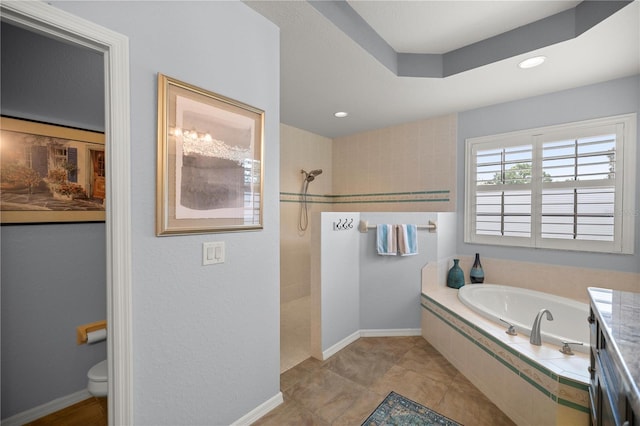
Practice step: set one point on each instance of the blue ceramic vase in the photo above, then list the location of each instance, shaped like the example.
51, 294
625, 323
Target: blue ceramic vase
455, 277
477, 273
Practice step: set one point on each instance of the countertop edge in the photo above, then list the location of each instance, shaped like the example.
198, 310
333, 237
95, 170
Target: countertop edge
630, 387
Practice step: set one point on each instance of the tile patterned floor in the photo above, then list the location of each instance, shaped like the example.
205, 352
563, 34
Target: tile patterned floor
346, 388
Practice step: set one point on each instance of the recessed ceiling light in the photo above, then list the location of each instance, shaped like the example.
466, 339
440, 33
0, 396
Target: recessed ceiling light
341, 114
532, 62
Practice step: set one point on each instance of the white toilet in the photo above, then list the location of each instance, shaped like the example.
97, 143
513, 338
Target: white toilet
97, 376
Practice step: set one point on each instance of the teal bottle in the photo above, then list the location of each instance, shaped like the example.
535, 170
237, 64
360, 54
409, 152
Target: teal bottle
477, 273
455, 277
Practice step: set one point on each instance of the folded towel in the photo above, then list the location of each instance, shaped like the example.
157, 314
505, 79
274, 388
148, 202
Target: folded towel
386, 240
407, 240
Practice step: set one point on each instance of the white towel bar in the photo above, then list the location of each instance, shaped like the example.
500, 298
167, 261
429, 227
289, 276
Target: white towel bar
364, 226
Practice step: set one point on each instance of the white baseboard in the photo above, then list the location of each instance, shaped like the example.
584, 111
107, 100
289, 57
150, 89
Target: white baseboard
340, 345
398, 332
46, 409
259, 411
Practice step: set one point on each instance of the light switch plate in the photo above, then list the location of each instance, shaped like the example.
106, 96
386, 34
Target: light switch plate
213, 253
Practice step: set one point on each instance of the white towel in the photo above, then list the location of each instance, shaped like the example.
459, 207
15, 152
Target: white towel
386, 240
407, 240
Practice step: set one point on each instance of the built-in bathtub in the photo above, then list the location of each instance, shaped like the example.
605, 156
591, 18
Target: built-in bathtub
519, 307
534, 385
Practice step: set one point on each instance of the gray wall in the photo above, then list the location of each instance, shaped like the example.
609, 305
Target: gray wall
53, 276
355, 289
390, 286
205, 338
51, 81
599, 100
53, 279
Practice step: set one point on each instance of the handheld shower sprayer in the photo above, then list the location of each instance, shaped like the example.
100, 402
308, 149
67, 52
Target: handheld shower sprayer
304, 216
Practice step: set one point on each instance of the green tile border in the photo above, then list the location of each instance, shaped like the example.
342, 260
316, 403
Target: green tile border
543, 370
573, 383
573, 405
391, 197
298, 194
444, 320
508, 365
536, 385
484, 348
429, 200
311, 198
377, 194
308, 201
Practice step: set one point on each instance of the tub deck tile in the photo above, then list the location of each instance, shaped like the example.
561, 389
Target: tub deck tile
556, 376
574, 368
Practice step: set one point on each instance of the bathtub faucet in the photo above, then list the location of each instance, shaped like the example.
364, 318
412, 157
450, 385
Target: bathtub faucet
535, 330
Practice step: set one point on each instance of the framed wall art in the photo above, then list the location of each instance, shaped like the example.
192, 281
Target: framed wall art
210, 171
50, 173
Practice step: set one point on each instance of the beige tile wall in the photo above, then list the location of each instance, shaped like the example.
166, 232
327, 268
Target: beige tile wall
416, 156
299, 150
412, 157
565, 281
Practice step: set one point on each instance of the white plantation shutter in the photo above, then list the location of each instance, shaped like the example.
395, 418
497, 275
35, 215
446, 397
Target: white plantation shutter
578, 193
503, 191
558, 187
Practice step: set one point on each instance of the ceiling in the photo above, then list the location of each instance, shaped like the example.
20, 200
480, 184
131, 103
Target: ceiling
442, 26
344, 66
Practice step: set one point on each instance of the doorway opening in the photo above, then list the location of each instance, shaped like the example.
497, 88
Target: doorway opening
45, 19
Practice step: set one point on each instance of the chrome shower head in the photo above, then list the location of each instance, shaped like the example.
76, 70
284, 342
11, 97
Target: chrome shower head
309, 177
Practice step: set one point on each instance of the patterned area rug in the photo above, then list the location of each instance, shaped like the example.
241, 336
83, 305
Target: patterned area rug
396, 410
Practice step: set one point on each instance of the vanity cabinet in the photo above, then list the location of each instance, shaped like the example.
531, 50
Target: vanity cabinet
615, 358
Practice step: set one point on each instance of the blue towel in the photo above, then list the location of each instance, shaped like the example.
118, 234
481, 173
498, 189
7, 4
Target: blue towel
386, 240
407, 240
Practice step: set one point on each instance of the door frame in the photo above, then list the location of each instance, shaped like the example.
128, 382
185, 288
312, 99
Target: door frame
52, 22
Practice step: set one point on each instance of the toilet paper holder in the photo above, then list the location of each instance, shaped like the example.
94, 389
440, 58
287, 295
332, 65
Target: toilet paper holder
83, 330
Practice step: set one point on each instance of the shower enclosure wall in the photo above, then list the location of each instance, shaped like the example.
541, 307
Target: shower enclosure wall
300, 150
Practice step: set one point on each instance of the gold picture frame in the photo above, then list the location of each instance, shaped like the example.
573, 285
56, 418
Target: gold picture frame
210, 172
50, 173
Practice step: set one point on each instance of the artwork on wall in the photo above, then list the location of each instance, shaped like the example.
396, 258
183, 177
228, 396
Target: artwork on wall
50, 173
209, 175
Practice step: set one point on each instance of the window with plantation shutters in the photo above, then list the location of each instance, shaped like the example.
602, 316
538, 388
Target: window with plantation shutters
562, 187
